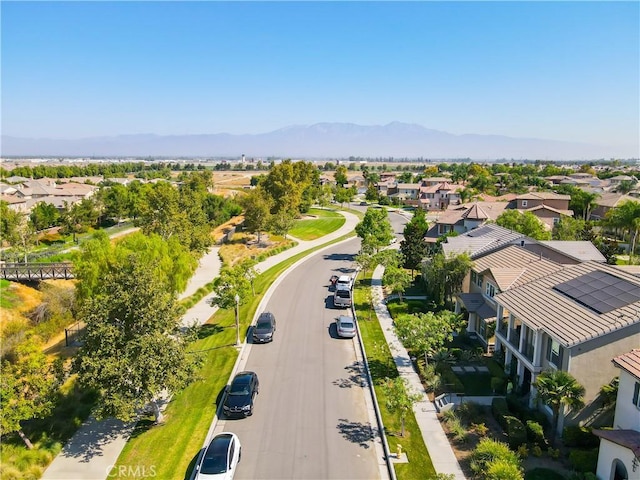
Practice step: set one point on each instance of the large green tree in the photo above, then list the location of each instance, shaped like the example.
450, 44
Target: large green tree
559, 389
44, 215
444, 275
9, 222
399, 399
626, 217
133, 349
569, 228
413, 247
524, 222
27, 387
426, 333
375, 229
257, 206
171, 262
341, 175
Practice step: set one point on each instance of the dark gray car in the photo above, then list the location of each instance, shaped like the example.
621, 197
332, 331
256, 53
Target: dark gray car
265, 328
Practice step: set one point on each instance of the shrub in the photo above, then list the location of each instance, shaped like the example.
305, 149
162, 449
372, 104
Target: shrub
584, 460
480, 428
554, 453
536, 451
535, 433
516, 431
503, 470
470, 412
499, 408
458, 430
498, 385
523, 451
543, 474
580, 437
489, 450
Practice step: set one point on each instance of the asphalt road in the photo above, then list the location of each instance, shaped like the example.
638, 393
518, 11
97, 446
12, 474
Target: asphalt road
311, 418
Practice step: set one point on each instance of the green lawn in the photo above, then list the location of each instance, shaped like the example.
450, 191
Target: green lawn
381, 366
7, 297
309, 229
191, 411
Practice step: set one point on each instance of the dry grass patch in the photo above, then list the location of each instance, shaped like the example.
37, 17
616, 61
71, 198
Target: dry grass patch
245, 245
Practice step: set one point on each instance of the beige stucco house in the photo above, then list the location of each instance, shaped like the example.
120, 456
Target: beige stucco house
574, 319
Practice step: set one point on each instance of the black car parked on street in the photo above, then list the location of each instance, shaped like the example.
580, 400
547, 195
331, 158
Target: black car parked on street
240, 395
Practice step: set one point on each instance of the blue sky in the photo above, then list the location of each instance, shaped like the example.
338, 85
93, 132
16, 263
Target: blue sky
554, 70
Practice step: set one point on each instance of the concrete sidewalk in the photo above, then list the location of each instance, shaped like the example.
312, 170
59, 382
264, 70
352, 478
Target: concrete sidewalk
434, 437
96, 446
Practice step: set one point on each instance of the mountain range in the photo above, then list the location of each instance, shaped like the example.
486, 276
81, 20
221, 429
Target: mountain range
321, 140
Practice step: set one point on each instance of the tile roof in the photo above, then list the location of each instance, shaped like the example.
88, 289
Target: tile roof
541, 307
626, 438
610, 199
630, 362
579, 249
543, 196
513, 266
482, 240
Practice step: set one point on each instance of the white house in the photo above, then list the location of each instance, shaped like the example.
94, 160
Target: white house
619, 454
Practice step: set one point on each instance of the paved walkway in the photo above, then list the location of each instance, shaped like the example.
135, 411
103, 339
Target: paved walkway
434, 437
96, 446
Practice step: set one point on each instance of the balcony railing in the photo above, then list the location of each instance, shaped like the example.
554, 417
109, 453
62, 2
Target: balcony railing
528, 351
514, 338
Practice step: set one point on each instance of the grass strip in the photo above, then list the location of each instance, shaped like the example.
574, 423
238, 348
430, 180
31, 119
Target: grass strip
381, 365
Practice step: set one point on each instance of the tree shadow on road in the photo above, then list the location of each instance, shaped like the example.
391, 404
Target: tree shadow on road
355, 378
356, 432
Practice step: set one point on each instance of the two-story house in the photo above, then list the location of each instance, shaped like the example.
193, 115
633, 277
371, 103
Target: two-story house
438, 196
573, 320
492, 274
464, 218
619, 453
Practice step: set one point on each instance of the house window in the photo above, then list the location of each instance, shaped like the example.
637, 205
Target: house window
524, 203
636, 394
474, 278
479, 282
554, 353
556, 220
490, 290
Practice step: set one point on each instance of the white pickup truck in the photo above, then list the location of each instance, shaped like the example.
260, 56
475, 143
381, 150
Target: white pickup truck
344, 281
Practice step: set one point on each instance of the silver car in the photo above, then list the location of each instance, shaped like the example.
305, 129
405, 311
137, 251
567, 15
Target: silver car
346, 326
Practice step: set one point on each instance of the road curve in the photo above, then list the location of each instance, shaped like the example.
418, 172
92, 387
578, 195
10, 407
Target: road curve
311, 417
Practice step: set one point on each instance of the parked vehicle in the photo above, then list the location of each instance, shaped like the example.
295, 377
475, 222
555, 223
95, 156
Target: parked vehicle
345, 326
220, 459
344, 281
241, 394
265, 328
342, 297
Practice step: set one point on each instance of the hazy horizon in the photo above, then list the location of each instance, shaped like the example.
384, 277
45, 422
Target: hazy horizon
557, 71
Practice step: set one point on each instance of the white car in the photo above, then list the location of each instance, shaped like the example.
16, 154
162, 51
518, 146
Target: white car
344, 281
345, 326
220, 459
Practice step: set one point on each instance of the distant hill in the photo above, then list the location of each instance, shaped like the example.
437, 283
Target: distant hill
322, 140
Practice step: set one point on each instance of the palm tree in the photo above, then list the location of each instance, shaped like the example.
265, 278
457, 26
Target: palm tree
558, 389
626, 216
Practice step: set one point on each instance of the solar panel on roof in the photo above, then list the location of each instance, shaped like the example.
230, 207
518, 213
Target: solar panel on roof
600, 291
